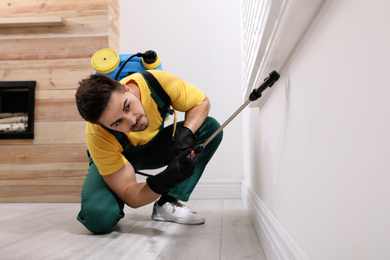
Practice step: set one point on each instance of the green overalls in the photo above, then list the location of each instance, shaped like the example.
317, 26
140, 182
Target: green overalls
101, 208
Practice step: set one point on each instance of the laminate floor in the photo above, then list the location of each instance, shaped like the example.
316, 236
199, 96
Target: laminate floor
50, 231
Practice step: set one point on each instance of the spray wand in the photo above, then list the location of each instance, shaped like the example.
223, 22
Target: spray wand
256, 93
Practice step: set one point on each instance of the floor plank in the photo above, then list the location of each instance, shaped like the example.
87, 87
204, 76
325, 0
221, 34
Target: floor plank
51, 231
239, 240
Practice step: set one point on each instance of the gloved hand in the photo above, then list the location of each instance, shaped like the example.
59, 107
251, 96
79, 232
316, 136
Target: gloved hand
183, 139
178, 170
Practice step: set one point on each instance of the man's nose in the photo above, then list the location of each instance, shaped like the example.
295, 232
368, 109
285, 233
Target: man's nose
131, 119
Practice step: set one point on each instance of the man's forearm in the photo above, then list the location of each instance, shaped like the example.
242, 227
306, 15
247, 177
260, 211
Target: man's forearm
195, 117
125, 186
139, 195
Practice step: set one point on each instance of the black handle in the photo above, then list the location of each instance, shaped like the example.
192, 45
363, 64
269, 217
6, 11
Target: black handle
268, 82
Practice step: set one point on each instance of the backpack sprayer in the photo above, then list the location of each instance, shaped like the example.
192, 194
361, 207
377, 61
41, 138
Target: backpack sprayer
108, 62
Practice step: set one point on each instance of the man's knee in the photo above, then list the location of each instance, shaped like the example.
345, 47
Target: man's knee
211, 126
99, 219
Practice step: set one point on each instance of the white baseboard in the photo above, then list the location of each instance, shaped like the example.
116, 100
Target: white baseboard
209, 189
277, 243
217, 189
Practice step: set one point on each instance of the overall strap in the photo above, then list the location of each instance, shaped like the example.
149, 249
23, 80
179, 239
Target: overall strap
121, 137
158, 94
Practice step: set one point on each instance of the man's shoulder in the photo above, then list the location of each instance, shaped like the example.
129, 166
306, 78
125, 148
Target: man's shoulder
93, 128
97, 133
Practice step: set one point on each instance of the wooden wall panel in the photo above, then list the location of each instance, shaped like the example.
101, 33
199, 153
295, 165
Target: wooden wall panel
51, 48
31, 155
60, 132
113, 25
60, 64
40, 175
54, 133
48, 79
51, 74
85, 25
39, 192
14, 8
56, 110
52, 166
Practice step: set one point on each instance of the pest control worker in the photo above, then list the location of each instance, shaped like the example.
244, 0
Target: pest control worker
125, 133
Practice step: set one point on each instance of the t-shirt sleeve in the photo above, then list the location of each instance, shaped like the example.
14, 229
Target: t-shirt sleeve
184, 96
106, 152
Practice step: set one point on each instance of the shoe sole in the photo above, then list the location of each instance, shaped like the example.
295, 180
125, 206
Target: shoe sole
178, 221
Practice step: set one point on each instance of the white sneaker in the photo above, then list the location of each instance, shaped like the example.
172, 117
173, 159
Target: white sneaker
176, 212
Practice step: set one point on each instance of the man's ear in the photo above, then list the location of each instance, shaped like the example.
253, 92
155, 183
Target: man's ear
130, 85
127, 87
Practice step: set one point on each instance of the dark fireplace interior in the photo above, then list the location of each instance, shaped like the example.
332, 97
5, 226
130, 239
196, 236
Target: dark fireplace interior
17, 103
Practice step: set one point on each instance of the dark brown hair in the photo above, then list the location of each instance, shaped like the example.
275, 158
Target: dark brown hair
93, 94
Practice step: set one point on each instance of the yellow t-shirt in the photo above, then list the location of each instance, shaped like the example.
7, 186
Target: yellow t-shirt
104, 148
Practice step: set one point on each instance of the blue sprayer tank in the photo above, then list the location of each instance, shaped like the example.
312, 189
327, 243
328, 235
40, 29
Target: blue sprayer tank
109, 62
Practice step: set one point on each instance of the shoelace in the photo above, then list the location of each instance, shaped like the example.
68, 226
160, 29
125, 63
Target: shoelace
177, 204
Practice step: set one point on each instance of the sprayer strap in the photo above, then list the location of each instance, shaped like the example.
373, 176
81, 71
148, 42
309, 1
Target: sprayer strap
158, 94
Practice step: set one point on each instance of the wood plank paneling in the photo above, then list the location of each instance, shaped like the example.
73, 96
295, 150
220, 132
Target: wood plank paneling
30, 155
65, 198
42, 175
44, 7
47, 64
51, 48
51, 167
91, 24
53, 133
60, 132
56, 110
32, 21
38, 191
23, 33
49, 79
55, 94
113, 25
76, 166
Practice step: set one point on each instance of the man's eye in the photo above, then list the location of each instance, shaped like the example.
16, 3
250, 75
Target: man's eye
117, 123
127, 107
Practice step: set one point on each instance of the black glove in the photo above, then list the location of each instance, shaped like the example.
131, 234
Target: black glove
183, 139
181, 168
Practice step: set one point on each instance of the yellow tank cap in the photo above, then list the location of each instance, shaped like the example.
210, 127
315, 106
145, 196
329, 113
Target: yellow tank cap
105, 60
153, 65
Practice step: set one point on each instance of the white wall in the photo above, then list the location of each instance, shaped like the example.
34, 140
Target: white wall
199, 41
319, 149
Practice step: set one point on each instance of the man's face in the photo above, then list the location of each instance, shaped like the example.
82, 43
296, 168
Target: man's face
124, 113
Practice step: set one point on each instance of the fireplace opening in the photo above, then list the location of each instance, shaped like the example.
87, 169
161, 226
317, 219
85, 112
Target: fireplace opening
17, 104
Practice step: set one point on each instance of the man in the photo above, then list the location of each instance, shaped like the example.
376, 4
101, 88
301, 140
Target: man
127, 107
